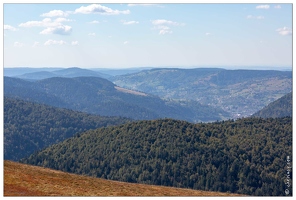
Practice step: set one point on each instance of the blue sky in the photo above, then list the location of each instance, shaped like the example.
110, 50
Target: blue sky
147, 35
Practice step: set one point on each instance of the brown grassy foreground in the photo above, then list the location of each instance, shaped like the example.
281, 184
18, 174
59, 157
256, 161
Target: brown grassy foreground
27, 180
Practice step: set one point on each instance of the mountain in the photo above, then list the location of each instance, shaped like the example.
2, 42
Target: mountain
245, 156
69, 72
17, 71
29, 127
116, 72
37, 75
30, 91
99, 96
27, 180
240, 92
282, 107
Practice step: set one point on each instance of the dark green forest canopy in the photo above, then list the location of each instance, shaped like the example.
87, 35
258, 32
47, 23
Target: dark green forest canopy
30, 126
246, 156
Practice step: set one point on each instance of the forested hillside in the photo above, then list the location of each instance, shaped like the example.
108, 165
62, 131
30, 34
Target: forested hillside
279, 108
99, 96
239, 92
246, 156
29, 127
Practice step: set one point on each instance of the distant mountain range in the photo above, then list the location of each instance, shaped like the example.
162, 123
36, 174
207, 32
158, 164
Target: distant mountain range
239, 92
69, 73
282, 107
99, 96
42, 73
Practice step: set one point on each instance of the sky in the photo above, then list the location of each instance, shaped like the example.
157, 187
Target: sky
121, 35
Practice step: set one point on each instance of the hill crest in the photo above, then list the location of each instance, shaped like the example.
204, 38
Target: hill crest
26, 180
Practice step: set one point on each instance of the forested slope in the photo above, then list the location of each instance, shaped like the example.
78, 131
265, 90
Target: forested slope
282, 107
99, 96
246, 156
29, 127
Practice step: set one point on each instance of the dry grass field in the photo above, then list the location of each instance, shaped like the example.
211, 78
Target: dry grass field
27, 180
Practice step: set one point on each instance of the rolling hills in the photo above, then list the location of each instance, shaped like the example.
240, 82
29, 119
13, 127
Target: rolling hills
239, 92
246, 156
99, 96
27, 180
282, 107
101, 72
29, 127
67, 73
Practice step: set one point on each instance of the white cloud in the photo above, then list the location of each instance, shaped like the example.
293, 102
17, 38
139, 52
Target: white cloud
277, 7
51, 42
129, 22
255, 17
60, 30
74, 43
10, 28
92, 34
99, 9
61, 19
125, 42
18, 44
165, 31
52, 26
164, 22
163, 25
36, 44
284, 31
262, 7
94, 22
55, 13
208, 34
46, 22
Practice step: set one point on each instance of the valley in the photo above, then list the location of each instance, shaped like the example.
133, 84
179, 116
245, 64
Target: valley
238, 92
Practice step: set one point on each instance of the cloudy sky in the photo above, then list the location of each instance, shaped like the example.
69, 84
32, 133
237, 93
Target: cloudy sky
147, 35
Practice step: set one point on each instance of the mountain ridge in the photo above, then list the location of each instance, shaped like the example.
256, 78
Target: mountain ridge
67, 73
282, 107
240, 92
96, 95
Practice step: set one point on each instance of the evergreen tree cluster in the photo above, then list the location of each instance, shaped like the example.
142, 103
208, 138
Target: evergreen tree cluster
29, 127
246, 156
